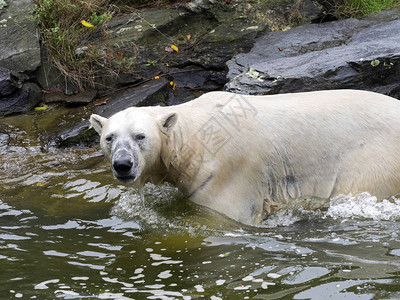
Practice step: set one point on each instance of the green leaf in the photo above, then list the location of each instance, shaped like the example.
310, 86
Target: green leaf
375, 63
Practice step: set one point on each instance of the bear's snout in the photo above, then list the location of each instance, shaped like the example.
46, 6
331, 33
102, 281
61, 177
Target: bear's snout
124, 167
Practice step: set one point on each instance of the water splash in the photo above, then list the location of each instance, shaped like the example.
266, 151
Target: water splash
301, 209
143, 204
359, 206
166, 209
283, 217
364, 206
151, 204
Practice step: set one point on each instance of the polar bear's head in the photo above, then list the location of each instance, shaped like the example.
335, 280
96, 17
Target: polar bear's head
131, 140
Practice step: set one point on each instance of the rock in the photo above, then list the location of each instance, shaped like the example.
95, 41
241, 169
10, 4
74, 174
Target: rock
75, 99
146, 35
221, 30
19, 37
7, 83
151, 93
207, 33
21, 102
48, 76
353, 53
193, 78
19, 57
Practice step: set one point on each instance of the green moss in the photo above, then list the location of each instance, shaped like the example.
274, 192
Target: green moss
359, 8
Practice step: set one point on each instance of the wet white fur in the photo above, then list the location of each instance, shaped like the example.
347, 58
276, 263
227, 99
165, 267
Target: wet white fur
244, 156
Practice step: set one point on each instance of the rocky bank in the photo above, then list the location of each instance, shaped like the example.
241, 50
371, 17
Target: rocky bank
208, 33
353, 53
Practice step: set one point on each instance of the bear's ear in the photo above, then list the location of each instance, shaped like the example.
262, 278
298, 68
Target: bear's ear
97, 122
167, 121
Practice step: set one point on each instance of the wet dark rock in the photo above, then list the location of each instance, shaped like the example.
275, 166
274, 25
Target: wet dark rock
189, 80
22, 101
8, 85
80, 134
78, 98
195, 78
354, 53
151, 93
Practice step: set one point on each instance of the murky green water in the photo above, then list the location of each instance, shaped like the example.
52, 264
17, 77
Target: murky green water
68, 230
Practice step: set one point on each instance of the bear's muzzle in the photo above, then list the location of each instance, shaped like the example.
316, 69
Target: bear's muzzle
123, 165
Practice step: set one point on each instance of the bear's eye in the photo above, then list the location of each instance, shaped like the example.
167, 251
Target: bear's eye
140, 137
109, 138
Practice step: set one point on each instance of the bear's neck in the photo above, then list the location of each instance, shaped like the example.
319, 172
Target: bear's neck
182, 157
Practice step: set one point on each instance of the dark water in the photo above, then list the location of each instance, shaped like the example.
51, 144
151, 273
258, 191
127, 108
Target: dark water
68, 230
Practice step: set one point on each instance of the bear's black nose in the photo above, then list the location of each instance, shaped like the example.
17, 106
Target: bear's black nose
122, 165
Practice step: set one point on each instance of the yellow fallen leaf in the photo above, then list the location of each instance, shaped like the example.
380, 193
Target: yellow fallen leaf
173, 85
156, 77
87, 24
188, 37
175, 48
41, 108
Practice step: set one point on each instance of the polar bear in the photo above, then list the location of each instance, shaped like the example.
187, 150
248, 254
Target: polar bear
245, 156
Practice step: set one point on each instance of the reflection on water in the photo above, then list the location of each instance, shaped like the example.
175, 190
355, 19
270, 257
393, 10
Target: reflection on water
68, 230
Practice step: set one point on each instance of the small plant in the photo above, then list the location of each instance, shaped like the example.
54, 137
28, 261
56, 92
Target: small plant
125, 63
358, 8
66, 28
63, 32
150, 63
97, 20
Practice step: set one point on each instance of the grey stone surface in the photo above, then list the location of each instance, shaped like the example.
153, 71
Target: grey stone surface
19, 57
19, 37
351, 53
